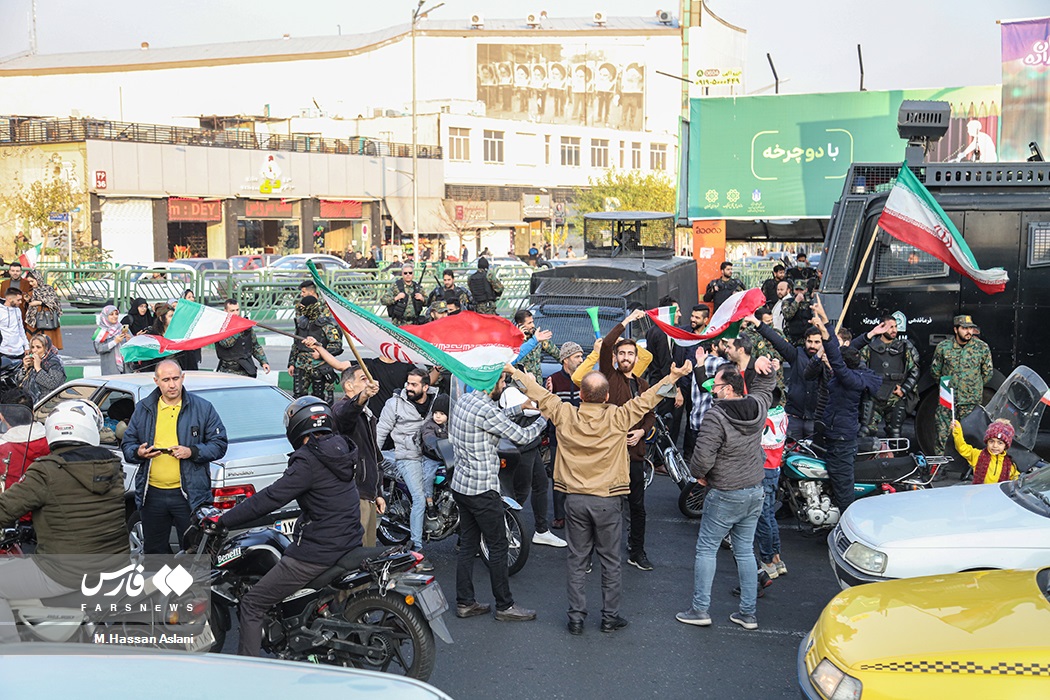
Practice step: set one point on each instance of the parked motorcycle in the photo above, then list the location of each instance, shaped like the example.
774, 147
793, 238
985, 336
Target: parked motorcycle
369, 610
394, 524
662, 451
884, 466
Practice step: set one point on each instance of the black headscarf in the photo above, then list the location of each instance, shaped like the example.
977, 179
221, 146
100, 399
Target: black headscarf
135, 321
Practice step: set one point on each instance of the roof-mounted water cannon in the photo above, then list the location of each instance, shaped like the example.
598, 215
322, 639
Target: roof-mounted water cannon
922, 123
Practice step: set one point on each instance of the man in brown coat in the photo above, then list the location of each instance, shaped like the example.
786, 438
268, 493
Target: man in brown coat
623, 386
591, 467
15, 278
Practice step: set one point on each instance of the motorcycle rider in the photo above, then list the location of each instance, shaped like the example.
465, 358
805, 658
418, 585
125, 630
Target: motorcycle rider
76, 496
896, 360
320, 477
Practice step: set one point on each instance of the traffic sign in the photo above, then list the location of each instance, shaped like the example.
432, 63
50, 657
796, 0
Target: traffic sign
58, 217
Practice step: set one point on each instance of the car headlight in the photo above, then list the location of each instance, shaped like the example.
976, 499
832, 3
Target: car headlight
834, 683
866, 558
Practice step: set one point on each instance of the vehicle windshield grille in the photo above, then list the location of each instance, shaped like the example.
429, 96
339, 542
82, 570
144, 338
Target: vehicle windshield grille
837, 268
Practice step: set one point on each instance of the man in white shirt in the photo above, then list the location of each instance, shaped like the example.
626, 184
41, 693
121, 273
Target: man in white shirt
13, 342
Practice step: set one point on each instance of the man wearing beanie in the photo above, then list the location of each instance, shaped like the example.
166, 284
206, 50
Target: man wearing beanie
485, 288
311, 375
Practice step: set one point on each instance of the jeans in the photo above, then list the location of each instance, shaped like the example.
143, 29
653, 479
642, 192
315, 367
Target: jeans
800, 428
636, 505
735, 513
839, 462
531, 475
482, 515
768, 533
162, 509
418, 475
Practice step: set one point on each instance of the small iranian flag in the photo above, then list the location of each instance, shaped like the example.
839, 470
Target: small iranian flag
725, 322
947, 395
192, 327
913, 216
1046, 398
30, 256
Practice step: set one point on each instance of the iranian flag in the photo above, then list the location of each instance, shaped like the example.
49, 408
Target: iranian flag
1045, 398
474, 347
914, 217
947, 396
192, 327
724, 324
30, 256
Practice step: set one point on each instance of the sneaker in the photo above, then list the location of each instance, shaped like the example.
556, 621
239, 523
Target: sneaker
472, 610
640, 560
748, 622
425, 566
614, 623
515, 613
694, 617
770, 570
432, 511
782, 568
549, 538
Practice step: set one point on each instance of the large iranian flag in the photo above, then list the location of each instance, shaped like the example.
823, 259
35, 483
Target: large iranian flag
724, 324
192, 327
474, 347
914, 217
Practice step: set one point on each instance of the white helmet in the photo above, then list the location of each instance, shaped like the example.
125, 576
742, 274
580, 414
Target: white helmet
73, 421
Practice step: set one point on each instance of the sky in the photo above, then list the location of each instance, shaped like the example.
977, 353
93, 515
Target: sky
906, 43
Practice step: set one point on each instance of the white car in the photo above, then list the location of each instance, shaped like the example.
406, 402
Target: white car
944, 530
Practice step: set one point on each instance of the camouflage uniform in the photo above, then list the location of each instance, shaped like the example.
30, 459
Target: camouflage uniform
969, 368
442, 294
488, 307
760, 347
413, 307
531, 363
892, 410
314, 377
797, 318
231, 366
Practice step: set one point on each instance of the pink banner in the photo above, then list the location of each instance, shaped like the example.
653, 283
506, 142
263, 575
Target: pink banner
1026, 88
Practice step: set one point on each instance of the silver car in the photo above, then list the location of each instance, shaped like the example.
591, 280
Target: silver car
253, 413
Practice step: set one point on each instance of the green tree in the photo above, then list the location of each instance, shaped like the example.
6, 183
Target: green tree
626, 190
33, 203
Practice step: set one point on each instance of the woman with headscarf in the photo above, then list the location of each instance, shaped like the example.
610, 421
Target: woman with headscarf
139, 319
189, 359
43, 310
41, 371
108, 338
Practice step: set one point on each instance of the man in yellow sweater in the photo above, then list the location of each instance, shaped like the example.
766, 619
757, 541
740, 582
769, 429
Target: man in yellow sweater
592, 468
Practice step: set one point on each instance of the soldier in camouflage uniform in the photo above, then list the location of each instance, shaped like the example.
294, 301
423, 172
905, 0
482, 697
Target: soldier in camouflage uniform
484, 288
236, 352
760, 347
405, 298
449, 287
967, 362
311, 376
896, 360
531, 362
798, 313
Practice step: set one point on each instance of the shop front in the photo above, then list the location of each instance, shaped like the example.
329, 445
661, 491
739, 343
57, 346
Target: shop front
270, 226
343, 226
195, 228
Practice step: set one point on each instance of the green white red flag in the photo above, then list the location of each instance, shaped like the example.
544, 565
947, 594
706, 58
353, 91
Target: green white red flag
725, 323
30, 256
473, 347
192, 327
947, 396
914, 217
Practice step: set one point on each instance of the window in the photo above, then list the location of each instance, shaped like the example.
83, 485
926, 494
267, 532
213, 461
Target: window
493, 146
116, 407
249, 413
75, 391
599, 153
547, 150
636, 155
1038, 243
901, 261
621, 153
570, 150
458, 144
658, 156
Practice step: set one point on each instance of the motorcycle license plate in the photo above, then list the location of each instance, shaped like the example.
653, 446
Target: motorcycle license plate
203, 640
285, 526
431, 600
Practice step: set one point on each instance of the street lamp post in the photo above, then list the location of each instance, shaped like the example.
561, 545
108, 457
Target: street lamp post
417, 14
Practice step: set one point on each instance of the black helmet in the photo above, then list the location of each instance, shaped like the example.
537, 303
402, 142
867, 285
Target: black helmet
305, 416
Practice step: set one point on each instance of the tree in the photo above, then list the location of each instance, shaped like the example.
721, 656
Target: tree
33, 205
627, 190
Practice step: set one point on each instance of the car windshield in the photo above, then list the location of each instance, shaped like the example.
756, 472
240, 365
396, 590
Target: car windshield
289, 264
249, 413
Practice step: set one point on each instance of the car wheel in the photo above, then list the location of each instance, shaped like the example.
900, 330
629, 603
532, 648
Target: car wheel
135, 537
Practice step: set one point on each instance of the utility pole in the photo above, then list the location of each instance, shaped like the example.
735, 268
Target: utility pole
417, 14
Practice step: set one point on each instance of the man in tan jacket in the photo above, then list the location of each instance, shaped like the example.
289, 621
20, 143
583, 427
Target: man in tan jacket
592, 468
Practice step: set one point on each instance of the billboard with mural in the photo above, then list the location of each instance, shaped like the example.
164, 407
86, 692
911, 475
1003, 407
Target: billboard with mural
1026, 88
786, 156
585, 84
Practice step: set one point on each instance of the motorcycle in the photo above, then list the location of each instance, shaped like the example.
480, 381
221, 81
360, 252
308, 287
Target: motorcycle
661, 450
369, 610
884, 466
394, 524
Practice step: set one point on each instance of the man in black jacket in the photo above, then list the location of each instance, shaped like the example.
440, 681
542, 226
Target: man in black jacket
238, 353
718, 290
769, 287
354, 420
320, 477
802, 391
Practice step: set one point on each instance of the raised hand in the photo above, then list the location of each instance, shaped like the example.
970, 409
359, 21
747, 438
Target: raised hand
544, 335
763, 365
679, 372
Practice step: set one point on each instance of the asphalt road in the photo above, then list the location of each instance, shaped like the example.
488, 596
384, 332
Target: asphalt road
655, 656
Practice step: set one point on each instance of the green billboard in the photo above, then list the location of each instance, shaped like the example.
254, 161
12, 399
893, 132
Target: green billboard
786, 156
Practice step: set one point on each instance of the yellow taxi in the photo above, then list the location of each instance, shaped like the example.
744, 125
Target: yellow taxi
983, 634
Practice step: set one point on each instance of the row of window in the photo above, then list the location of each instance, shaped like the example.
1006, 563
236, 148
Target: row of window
492, 143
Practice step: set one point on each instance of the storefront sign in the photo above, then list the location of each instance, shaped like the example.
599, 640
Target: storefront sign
100, 180
340, 209
709, 250
194, 210
268, 209
536, 205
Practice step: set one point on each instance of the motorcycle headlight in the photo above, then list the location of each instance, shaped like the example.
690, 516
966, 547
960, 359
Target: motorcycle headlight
865, 558
835, 683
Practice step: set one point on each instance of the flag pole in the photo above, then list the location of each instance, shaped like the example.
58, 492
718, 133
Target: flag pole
278, 331
856, 278
357, 355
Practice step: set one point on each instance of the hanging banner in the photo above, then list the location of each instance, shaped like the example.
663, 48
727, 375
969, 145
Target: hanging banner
1026, 88
786, 156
